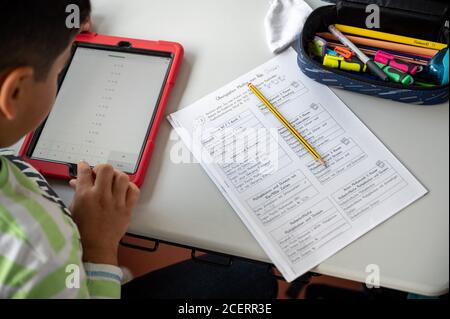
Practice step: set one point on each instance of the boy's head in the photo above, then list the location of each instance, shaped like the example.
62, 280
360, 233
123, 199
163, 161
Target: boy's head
34, 48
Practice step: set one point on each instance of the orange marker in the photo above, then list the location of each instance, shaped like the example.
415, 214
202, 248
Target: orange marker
346, 53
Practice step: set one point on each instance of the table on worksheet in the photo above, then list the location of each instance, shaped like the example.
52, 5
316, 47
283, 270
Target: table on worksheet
181, 205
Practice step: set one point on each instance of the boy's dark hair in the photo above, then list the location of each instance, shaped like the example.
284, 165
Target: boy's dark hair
34, 32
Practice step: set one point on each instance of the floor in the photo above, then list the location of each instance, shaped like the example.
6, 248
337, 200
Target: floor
140, 263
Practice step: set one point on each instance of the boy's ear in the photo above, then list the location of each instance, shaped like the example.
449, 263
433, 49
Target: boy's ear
13, 91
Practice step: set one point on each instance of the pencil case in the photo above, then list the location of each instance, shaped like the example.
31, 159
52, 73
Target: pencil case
420, 19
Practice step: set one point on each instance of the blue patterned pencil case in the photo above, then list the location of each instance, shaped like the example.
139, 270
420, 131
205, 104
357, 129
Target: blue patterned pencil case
426, 23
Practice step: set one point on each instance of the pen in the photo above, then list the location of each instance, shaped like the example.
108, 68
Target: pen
390, 37
364, 58
286, 124
408, 49
418, 60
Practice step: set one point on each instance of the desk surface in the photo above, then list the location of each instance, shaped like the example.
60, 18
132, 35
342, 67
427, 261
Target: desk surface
180, 204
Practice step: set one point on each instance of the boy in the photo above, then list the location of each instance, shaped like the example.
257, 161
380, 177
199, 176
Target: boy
43, 245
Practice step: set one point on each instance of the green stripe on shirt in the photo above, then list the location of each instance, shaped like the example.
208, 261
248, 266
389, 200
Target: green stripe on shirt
23, 180
8, 225
54, 282
3, 172
104, 287
84, 293
13, 274
49, 226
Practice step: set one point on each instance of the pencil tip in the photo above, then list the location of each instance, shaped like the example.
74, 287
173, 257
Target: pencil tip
322, 162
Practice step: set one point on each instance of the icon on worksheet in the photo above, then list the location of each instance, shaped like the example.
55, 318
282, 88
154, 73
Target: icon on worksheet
345, 141
315, 106
295, 84
381, 164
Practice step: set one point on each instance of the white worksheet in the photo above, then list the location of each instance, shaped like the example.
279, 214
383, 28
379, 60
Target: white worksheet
299, 211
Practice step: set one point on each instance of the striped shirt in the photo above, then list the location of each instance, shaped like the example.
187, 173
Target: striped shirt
40, 248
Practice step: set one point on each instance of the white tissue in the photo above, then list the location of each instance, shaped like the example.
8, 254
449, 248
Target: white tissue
284, 22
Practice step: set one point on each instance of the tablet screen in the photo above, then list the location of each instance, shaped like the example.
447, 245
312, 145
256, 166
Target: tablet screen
104, 109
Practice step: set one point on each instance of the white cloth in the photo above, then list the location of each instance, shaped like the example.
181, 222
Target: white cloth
284, 22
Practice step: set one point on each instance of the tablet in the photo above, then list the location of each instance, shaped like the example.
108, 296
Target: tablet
108, 108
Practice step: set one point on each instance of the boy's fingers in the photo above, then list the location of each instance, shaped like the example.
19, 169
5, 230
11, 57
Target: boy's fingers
133, 194
120, 187
73, 183
104, 174
84, 175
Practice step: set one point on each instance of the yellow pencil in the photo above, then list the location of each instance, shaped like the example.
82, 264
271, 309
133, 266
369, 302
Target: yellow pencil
288, 125
390, 37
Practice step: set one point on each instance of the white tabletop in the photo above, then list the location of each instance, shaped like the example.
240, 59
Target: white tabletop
180, 204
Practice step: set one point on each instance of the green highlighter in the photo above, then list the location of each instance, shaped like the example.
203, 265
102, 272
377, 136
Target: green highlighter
396, 75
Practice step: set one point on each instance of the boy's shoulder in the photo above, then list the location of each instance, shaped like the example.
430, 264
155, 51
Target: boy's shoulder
31, 210
36, 178
37, 235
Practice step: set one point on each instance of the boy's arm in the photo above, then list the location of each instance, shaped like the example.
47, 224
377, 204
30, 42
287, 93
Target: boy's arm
30, 265
102, 207
68, 280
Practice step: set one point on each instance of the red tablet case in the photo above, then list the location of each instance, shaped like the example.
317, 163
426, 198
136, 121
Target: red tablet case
61, 171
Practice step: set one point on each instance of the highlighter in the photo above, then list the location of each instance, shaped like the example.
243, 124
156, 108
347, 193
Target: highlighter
389, 59
346, 53
396, 75
317, 47
338, 62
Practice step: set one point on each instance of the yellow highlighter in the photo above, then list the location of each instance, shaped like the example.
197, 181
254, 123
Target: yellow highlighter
338, 62
286, 124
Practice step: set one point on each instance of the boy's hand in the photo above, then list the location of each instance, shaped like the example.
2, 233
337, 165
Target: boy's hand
102, 206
